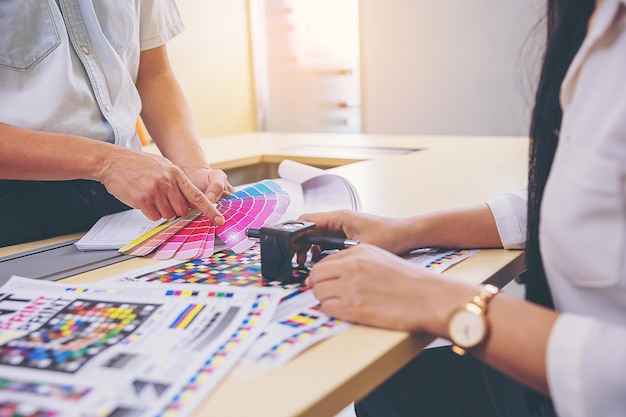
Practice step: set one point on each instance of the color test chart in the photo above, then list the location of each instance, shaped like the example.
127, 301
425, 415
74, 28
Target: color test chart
298, 323
439, 259
125, 350
222, 268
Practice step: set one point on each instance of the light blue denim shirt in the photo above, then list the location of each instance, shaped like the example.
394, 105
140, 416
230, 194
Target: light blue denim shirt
70, 66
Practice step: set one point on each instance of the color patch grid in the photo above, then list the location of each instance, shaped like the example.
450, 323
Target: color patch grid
15, 409
75, 334
292, 345
43, 389
300, 320
223, 268
444, 259
212, 364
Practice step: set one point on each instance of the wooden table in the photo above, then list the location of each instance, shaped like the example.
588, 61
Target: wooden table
395, 176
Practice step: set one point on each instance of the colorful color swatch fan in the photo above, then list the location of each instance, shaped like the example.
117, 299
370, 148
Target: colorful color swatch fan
192, 236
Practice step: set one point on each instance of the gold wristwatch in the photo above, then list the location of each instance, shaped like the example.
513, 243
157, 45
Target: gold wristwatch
468, 326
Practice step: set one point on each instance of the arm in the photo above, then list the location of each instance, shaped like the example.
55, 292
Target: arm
147, 182
32, 155
349, 286
468, 227
168, 119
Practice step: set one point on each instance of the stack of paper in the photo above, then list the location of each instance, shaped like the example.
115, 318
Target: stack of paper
126, 350
116, 230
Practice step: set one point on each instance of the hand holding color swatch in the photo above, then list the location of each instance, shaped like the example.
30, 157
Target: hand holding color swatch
192, 236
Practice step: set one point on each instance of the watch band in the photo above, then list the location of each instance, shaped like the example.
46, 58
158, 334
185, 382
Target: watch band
478, 305
487, 292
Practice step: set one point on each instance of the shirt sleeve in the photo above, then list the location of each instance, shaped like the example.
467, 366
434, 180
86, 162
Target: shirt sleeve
510, 213
160, 22
585, 366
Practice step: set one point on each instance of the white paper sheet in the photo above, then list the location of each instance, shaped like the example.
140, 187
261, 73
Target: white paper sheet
126, 350
115, 230
313, 189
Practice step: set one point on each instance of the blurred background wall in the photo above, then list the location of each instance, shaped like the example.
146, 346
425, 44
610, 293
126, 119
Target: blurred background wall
396, 66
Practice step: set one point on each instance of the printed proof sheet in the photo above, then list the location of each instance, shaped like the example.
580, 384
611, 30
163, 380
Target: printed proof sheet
297, 324
126, 350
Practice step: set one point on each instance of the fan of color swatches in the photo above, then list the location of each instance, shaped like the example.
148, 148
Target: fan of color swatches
192, 236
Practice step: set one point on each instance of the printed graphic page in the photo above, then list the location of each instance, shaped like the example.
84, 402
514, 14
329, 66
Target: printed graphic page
139, 350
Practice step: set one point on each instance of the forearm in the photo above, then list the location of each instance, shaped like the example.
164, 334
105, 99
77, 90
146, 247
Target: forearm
166, 112
467, 227
32, 155
519, 332
519, 337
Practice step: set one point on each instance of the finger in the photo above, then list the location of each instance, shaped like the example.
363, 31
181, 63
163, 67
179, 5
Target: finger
218, 185
214, 192
327, 223
330, 299
302, 253
334, 307
169, 201
301, 256
228, 188
151, 212
325, 270
199, 200
316, 218
167, 211
316, 253
177, 203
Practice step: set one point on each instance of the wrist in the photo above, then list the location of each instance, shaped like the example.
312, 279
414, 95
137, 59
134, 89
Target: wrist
190, 169
100, 165
404, 234
444, 296
468, 326
421, 231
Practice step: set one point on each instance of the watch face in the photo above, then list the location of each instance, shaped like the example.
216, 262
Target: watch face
467, 329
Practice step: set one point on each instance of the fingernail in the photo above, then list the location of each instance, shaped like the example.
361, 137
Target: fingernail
212, 197
219, 220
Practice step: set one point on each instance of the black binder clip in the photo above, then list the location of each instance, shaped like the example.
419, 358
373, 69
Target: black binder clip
277, 249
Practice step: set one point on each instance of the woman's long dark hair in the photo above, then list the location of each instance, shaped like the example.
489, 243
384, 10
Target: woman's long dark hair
567, 26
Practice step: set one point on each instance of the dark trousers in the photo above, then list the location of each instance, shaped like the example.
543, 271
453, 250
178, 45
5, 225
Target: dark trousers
33, 210
439, 383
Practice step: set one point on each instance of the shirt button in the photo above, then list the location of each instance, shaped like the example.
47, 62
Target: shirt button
85, 50
107, 108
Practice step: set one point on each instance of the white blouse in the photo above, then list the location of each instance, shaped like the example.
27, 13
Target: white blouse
582, 234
